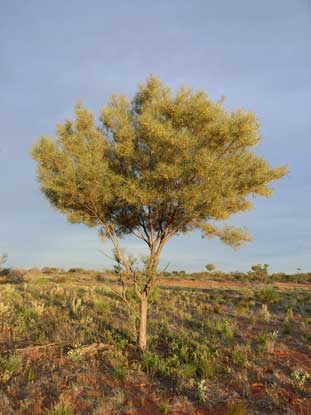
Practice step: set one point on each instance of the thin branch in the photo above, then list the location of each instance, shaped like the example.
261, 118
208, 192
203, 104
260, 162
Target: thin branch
140, 236
106, 255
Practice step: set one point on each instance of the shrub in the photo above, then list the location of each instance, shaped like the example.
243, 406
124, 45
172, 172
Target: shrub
50, 270
240, 354
62, 408
267, 295
299, 377
265, 313
259, 272
261, 342
10, 367
202, 391
236, 408
100, 277
77, 270
12, 276
164, 407
287, 328
289, 314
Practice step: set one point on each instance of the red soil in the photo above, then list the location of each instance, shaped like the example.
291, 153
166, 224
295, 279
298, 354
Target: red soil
186, 283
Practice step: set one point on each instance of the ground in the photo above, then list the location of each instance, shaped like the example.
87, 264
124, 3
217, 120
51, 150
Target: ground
67, 347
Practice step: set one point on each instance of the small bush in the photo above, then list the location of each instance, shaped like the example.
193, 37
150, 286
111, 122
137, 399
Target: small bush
77, 270
100, 277
265, 313
202, 391
299, 377
267, 295
236, 408
50, 270
287, 329
164, 407
10, 367
62, 408
12, 276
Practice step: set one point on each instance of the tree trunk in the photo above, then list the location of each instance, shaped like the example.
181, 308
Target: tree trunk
142, 339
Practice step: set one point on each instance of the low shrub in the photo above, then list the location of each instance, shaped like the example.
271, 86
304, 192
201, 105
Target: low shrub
267, 295
50, 270
77, 270
100, 277
12, 276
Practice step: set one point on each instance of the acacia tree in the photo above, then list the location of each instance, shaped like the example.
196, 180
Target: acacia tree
259, 271
154, 167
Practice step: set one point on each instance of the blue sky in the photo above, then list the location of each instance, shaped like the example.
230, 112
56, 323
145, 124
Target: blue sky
257, 54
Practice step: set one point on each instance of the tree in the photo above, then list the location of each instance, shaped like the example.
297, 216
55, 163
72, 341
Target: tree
260, 271
3, 259
154, 167
210, 267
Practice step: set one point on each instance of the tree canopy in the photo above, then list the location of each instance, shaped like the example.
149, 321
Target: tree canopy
156, 166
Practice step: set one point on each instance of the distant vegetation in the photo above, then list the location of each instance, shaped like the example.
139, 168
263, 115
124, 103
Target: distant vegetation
210, 267
255, 275
250, 276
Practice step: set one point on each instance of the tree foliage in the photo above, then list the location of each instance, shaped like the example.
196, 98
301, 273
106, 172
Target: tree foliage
210, 267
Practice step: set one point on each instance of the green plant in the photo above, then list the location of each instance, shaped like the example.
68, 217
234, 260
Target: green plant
206, 365
261, 342
289, 314
287, 328
267, 295
164, 407
10, 366
61, 408
259, 272
121, 369
119, 397
202, 391
76, 306
240, 355
75, 354
299, 377
265, 313
236, 408
4, 309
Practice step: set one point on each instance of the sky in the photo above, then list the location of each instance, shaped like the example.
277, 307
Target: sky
255, 53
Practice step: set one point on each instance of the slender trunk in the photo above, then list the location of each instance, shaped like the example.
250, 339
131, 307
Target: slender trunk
142, 339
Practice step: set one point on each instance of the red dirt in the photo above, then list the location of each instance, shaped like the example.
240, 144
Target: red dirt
286, 285
150, 405
296, 358
223, 284
189, 283
199, 284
